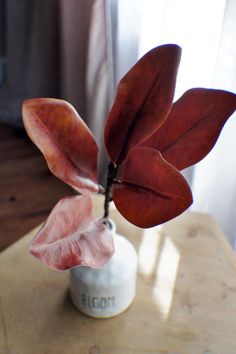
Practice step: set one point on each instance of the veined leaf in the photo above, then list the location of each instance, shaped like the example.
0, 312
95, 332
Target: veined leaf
151, 190
143, 100
65, 141
193, 126
71, 237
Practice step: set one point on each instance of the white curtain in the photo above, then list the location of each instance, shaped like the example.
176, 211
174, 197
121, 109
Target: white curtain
102, 39
206, 31
214, 182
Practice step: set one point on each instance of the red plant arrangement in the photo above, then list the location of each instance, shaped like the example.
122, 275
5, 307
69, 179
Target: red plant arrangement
148, 138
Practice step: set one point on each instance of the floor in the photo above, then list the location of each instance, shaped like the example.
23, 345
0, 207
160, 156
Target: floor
28, 190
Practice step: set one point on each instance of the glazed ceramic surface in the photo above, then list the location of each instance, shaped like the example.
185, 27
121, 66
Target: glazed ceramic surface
108, 291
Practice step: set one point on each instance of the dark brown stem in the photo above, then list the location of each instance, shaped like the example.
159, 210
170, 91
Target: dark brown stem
111, 174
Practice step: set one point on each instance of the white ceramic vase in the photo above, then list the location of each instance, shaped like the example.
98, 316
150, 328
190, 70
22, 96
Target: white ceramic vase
108, 291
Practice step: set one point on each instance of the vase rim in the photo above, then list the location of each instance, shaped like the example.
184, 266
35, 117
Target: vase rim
110, 224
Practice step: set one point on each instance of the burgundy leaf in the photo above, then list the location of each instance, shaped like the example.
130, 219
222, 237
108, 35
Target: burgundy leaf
71, 237
193, 126
152, 191
144, 98
64, 139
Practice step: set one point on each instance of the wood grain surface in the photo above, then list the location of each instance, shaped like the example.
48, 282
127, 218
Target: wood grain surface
185, 303
28, 190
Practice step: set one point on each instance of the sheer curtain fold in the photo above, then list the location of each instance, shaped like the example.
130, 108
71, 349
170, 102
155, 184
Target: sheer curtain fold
75, 22
214, 182
87, 62
99, 75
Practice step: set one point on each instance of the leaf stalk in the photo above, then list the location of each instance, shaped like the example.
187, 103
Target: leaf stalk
111, 175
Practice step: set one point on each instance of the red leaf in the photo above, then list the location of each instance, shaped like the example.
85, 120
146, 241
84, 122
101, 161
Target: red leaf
193, 126
64, 139
144, 98
152, 191
71, 237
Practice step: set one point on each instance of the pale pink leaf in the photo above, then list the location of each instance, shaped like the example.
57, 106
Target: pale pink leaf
71, 236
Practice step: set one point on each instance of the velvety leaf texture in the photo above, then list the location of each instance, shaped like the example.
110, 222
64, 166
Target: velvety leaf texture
143, 100
65, 141
193, 126
71, 237
152, 191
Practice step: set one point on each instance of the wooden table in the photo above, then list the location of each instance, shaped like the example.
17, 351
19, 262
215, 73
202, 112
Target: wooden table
185, 303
